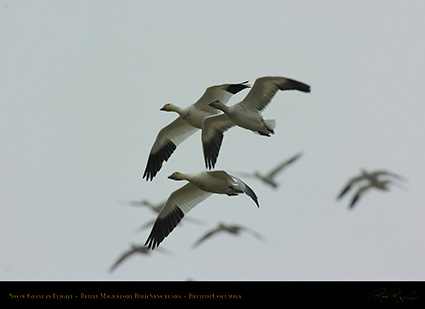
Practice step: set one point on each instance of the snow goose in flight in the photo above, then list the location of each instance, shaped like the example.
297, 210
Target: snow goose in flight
201, 186
145, 203
245, 114
189, 121
232, 229
269, 178
133, 250
374, 182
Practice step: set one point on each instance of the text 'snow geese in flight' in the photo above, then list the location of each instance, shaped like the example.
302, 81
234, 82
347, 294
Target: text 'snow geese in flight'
373, 182
245, 114
189, 121
201, 185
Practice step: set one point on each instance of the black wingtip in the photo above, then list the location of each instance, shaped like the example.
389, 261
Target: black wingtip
212, 149
163, 227
235, 88
209, 164
252, 195
295, 158
156, 159
345, 190
148, 175
296, 85
210, 157
355, 199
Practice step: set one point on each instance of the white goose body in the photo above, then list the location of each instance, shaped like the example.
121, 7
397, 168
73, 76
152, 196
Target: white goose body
189, 121
247, 118
269, 178
201, 186
218, 182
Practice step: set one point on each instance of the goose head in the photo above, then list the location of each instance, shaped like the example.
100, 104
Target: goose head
177, 176
168, 107
217, 104
222, 226
145, 202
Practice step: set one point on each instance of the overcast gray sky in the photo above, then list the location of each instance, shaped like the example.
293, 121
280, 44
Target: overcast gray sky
81, 85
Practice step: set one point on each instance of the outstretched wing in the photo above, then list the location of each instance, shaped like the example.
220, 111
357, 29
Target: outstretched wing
253, 233
178, 204
213, 129
265, 88
359, 192
388, 173
284, 164
126, 254
350, 183
166, 142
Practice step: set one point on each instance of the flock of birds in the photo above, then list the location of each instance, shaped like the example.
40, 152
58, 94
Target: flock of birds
211, 115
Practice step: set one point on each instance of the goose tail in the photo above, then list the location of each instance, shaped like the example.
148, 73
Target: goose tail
270, 125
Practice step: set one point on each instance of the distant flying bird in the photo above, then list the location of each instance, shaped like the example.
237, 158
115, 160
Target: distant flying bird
189, 121
157, 208
232, 229
269, 178
133, 250
201, 186
373, 182
245, 114
154, 207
